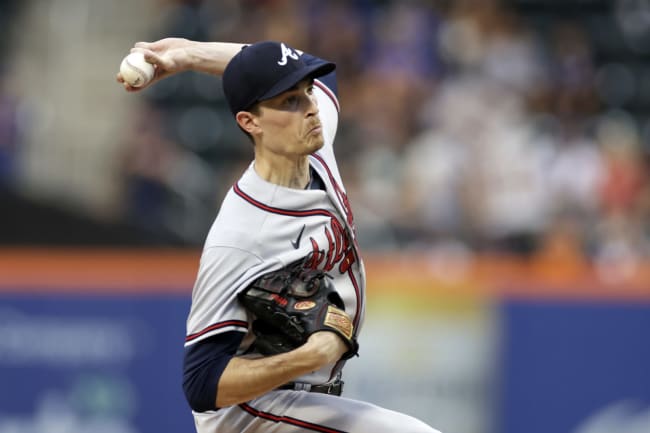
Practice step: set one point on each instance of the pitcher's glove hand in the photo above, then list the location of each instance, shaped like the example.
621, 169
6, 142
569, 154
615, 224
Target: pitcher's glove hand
292, 303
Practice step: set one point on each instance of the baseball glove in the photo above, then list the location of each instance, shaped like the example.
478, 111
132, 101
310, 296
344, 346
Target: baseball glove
292, 303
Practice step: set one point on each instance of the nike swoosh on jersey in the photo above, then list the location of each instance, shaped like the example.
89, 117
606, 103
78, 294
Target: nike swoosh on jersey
296, 243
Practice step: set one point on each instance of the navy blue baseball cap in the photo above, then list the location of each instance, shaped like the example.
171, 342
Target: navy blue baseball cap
265, 69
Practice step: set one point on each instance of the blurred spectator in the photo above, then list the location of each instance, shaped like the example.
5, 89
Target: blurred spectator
624, 172
576, 171
621, 235
505, 191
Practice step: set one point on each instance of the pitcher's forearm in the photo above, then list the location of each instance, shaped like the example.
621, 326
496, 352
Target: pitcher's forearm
209, 57
245, 379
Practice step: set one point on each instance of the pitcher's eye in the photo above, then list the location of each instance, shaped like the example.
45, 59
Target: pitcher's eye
291, 101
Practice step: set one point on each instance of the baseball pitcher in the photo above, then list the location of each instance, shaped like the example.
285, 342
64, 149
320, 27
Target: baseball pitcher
279, 299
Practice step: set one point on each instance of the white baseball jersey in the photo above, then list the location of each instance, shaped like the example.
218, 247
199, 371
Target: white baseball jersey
262, 227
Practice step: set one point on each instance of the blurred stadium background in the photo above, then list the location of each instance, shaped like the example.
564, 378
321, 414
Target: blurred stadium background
496, 153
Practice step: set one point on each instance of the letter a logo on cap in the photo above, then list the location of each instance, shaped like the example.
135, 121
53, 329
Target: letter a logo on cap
287, 52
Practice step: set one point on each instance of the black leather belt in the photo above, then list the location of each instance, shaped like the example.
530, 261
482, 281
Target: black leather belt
332, 388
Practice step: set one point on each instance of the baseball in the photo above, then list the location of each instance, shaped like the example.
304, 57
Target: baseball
135, 70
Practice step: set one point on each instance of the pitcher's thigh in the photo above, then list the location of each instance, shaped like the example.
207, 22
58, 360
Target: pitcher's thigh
325, 413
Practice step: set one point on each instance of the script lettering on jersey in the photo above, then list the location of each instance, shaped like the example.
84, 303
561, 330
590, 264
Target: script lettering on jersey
345, 204
288, 52
343, 199
338, 249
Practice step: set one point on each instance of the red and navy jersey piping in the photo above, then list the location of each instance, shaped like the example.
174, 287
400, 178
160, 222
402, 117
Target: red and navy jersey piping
218, 325
280, 211
327, 168
288, 420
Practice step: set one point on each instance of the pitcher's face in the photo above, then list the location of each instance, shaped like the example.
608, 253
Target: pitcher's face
289, 122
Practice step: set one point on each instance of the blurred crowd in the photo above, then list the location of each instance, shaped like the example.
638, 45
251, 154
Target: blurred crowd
463, 126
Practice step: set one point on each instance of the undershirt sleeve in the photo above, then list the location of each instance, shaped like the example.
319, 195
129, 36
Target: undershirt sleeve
203, 365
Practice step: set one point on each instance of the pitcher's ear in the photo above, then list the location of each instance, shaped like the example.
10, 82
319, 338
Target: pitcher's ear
248, 122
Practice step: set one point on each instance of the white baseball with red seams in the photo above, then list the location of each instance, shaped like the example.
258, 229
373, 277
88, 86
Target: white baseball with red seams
135, 70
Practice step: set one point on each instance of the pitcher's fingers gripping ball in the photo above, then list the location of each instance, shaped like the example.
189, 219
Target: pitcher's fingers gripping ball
135, 70
292, 303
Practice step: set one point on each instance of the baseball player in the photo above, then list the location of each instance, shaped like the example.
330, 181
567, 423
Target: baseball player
289, 205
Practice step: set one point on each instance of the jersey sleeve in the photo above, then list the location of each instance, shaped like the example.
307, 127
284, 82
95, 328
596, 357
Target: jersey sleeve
223, 272
203, 365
